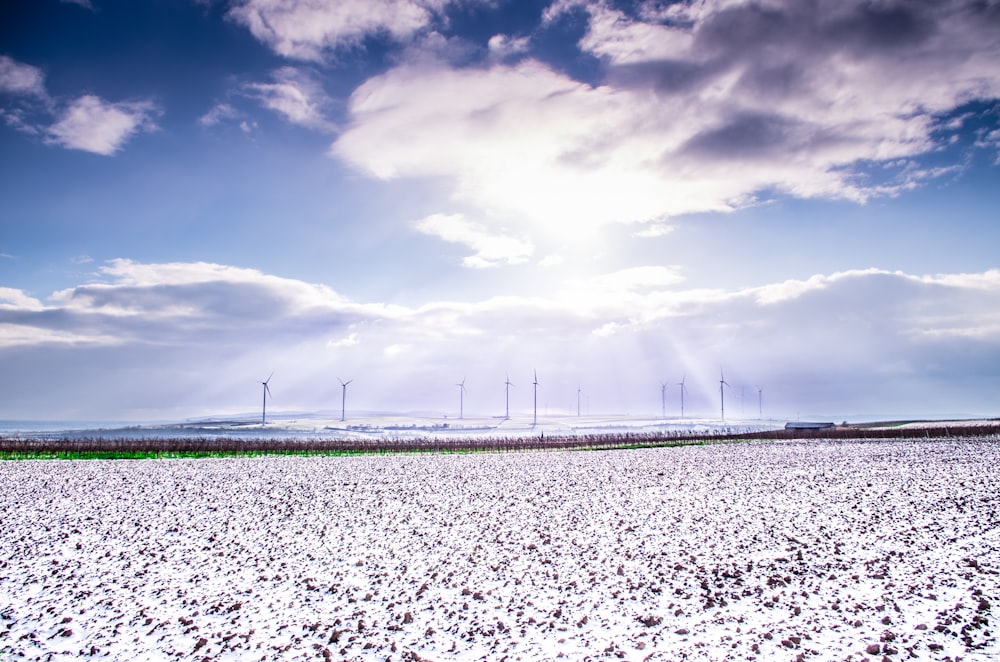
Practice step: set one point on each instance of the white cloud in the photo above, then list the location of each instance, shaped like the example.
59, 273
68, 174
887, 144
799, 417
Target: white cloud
19, 78
991, 140
655, 230
490, 248
638, 278
731, 101
16, 299
93, 125
350, 340
502, 46
219, 113
524, 141
296, 96
392, 351
306, 29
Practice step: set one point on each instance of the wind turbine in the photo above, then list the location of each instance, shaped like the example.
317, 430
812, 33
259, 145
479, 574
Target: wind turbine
343, 396
578, 390
267, 392
722, 393
461, 398
534, 418
507, 385
663, 400
760, 402
683, 388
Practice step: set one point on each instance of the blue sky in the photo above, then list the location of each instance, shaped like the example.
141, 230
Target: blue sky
412, 192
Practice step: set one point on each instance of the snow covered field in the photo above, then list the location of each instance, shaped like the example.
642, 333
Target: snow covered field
811, 550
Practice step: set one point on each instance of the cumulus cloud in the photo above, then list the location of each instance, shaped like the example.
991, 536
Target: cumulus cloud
19, 78
842, 341
14, 299
702, 107
94, 125
307, 29
199, 290
490, 248
296, 96
522, 140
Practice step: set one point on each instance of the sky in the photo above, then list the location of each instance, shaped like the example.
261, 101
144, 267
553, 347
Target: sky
800, 197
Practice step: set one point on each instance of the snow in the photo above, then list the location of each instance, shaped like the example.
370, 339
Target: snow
829, 550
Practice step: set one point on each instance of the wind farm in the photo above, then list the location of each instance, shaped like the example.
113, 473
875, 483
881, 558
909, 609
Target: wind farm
514, 419
495, 414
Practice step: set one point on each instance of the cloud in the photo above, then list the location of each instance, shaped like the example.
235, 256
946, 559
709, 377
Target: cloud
15, 299
522, 141
702, 107
638, 278
490, 249
86, 4
295, 96
21, 79
219, 113
840, 342
307, 29
87, 123
502, 46
94, 125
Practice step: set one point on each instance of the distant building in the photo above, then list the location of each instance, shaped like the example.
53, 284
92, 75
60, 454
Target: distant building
807, 425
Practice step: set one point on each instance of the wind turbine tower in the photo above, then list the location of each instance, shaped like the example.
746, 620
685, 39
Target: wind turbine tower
579, 389
760, 402
683, 388
663, 400
507, 386
267, 392
534, 417
461, 398
722, 393
343, 396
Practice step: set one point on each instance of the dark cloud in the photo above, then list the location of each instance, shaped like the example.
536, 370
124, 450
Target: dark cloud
748, 136
781, 80
873, 28
664, 76
748, 29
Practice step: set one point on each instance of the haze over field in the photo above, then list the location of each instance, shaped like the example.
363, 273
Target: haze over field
415, 193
